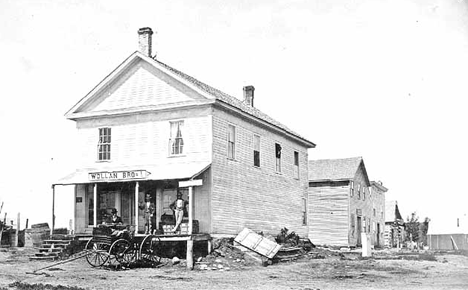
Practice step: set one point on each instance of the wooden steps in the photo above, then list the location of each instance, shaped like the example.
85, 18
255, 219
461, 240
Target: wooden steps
52, 249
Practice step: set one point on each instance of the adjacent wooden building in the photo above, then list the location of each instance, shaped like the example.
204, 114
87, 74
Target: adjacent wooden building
343, 203
394, 225
147, 126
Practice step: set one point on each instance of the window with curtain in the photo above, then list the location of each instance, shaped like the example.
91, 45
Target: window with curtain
231, 138
104, 144
256, 150
278, 157
176, 140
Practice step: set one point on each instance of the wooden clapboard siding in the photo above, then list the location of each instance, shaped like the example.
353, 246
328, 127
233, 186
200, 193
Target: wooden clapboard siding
202, 201
328, 215
144, 138
142, 85
358, 203
377, 199
255, 197
80, 208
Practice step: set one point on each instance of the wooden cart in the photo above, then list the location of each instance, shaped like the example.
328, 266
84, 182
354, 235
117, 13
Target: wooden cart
117, 245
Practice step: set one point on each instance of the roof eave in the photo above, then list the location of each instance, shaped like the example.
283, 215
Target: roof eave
136, 110
300, 139
329, 180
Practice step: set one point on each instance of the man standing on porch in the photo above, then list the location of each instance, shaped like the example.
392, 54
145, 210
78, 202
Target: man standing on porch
178, 206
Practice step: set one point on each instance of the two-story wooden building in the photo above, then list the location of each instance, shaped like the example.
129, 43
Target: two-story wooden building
340, 206
147, 126
377, 197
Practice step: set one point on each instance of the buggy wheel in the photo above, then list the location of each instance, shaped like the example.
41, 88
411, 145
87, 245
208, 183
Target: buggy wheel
150, 251
123, 252
97, 253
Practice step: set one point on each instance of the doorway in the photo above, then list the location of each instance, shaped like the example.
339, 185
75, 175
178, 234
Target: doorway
359, 229
378, 235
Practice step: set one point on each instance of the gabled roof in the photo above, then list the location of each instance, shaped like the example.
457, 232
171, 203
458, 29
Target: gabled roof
336, 169
205, 90
392, 213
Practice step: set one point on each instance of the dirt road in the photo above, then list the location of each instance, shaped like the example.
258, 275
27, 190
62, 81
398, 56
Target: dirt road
384, 270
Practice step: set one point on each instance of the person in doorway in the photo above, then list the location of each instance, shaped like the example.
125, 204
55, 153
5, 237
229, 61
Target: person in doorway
114, 219
178, 206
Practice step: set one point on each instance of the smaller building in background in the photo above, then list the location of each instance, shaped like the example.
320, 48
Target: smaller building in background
394, 225
448, 234
341, 203
377, 197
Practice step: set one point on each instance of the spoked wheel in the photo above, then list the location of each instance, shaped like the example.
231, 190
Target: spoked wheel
149, 250
124, 252
97, 253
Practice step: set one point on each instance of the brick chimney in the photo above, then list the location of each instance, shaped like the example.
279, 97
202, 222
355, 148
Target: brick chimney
145, 40
249, 95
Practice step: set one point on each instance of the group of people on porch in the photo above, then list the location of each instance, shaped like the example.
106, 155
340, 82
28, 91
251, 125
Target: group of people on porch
178, 207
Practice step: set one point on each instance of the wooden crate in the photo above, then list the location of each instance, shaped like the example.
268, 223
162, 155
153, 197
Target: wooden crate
257, 243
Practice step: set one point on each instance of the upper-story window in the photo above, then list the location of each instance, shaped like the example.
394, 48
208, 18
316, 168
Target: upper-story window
231, 138
256, 150
363, 193
278, 157
359, 191
352, 188
296, 164
104, 144
176, 140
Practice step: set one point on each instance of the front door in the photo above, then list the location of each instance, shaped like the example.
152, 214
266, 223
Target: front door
359, 228
378, 235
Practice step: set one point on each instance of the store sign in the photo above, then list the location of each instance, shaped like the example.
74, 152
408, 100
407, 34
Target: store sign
117, 175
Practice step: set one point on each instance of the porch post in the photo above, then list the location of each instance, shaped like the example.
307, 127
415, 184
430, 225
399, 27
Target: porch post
53, 210
190, 211
137, 186
95, 205
190, 184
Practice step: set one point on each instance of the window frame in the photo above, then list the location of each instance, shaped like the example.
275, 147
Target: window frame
231, 144
176, 143
304, 211
256, 153
296, 164
278, 159
104, 145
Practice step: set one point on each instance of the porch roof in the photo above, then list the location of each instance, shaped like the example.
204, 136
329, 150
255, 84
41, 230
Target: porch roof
149, 172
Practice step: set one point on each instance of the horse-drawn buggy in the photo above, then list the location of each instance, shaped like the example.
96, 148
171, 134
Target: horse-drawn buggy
117, 245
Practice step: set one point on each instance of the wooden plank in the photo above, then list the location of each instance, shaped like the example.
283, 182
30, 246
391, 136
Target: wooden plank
188, 183
257, 243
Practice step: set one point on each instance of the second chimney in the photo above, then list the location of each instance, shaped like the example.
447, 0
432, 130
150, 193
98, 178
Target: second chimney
249, 95
145, 40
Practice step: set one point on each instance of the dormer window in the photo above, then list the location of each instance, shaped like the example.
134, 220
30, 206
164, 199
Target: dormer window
176, 141
104, 144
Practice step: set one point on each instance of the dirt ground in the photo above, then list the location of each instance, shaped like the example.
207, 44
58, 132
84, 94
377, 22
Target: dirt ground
319, 269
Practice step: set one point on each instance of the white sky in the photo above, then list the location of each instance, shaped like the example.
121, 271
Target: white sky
379, 79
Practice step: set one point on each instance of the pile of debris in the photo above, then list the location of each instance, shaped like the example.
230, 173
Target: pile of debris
251, 249
224, 257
